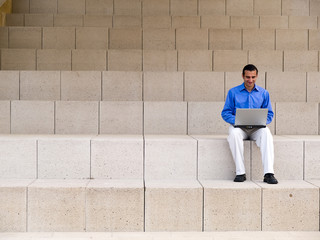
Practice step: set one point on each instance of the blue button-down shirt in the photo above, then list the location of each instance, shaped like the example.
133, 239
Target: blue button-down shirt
239, 97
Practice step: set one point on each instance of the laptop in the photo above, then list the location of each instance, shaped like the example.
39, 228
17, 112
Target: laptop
250, 118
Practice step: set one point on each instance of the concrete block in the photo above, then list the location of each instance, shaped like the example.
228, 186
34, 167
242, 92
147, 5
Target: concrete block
212, 7
224, 212
295, 7
290, 206
284, 39
314, 39
159, 39
97, 21
192, 38
156, 22
5, 117
186, 21
115, 205
267, 60
68, 20
21, 6
205, 118
121, 117
225, 39
190, 7
314, 7
204, 86
173, 206
160, 60
75, 117
258, 39
121, 86
62, 157
4, 37
261, 7
117, 157
92, 38
18, 59
287, 152
18, 157
165, 117
301, 61
40, 85
57, 205
303, 22
293, 86
164, 155
163, 86
215, 161
194, 60
43, 6
54, 59
245, 22
125, 39
124, 7
103, 7
274, 22
313, 87
32, 117
13, 205
89, 60
39, 20
239, 8
155, 8
72, 6
81, 86
125, 60
311, 154
25, 37
14, 19
215, 22
302, 121
133, 22
229, 60
59, 37
9, 85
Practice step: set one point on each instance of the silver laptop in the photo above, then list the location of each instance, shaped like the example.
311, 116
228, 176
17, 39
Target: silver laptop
251, 118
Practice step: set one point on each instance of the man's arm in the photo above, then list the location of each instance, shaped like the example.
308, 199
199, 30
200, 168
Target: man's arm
267, 104
228, 112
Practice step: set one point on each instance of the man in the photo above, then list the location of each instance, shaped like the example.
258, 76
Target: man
249, 95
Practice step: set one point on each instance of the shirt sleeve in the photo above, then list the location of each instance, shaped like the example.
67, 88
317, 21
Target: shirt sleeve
228, 112
267, 104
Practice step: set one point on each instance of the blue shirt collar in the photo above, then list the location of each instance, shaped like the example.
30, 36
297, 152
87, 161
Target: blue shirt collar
255, 88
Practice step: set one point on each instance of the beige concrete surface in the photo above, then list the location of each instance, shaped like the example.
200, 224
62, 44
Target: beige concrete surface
107, 207
234, 235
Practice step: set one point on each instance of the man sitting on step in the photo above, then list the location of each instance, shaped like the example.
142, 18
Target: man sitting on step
249, 95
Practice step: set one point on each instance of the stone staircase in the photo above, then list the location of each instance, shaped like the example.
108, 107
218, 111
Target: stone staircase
110, 115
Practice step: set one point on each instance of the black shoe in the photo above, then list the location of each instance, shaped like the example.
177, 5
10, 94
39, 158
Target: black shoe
240, 178
270, 179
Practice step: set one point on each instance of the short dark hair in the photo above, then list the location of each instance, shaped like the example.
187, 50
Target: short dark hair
249, 67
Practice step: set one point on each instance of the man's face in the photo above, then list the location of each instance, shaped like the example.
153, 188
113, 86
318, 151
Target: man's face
249, 79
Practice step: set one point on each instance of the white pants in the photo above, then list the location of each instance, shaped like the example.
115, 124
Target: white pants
264, 141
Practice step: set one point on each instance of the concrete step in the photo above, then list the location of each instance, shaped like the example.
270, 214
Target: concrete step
175, 38
150, 157
167, 21
258, 235
174, 7
151, 86
156, 60
138, 117
53, 205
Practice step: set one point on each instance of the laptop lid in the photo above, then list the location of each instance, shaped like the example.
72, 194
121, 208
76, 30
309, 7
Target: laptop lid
251, 117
